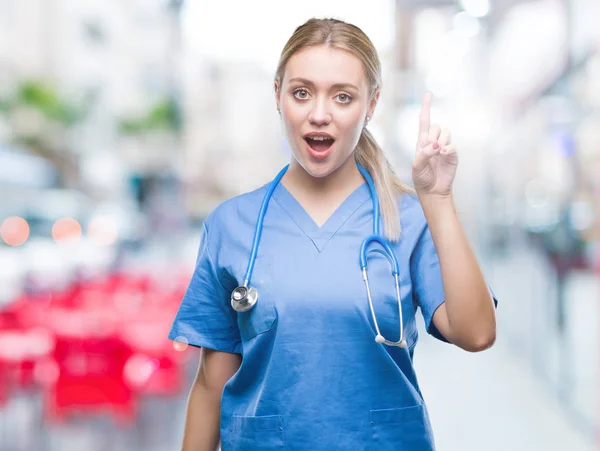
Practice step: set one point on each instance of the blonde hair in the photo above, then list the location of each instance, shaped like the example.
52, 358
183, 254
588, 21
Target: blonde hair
348, 37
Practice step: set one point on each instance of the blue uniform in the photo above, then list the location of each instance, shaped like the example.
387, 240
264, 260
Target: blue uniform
312, 376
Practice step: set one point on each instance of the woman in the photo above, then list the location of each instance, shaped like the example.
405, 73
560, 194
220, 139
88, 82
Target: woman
318, 373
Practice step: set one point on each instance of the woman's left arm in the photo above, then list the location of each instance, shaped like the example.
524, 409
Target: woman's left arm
467, 317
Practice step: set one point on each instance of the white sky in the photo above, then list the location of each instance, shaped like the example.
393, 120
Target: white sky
256, 30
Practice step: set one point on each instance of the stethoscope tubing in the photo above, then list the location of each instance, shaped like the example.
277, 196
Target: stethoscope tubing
259, 225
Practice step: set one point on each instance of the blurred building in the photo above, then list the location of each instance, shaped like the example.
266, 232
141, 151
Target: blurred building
523, 105
233, 141
114, 59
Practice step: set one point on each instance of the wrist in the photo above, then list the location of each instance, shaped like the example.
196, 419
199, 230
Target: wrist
437, 205
436, 199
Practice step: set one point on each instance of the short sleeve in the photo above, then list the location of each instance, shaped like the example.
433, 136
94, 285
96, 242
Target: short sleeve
426, 275
205, 317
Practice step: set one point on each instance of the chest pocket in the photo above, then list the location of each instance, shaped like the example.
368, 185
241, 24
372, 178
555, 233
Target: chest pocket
260, 318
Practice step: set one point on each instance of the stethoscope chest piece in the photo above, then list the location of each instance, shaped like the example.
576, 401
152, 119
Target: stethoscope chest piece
243, 298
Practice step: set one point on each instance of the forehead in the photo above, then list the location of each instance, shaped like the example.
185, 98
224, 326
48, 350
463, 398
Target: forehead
325, 65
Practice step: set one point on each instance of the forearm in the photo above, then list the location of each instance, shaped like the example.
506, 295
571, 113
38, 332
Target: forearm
202, 424
468, 302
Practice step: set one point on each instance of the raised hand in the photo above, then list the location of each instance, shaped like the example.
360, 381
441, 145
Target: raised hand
436, 160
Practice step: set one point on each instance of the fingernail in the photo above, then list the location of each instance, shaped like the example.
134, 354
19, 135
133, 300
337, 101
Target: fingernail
436, 146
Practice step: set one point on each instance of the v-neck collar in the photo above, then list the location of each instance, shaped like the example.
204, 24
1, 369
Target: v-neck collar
320, 236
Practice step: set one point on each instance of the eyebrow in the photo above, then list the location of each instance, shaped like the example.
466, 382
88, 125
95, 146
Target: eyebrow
336, 85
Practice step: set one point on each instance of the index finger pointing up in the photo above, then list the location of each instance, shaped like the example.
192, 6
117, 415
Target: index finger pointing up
424, 119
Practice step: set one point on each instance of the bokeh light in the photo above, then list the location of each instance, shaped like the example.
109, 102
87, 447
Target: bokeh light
476, 8
66, 229
102, 231
14, 231
139, 369
180, 343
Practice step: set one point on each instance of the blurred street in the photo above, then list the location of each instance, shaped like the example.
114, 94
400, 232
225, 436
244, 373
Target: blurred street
492, 401
499, 399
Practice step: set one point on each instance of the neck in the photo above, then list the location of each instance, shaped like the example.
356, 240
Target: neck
343, 180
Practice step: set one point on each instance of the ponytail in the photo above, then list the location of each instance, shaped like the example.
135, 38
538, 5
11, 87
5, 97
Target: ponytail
369, 155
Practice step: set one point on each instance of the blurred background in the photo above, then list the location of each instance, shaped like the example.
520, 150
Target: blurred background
123, 123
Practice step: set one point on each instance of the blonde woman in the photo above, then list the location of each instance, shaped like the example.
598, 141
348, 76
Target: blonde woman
295, 300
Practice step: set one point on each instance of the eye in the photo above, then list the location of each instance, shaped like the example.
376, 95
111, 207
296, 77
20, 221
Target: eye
344, 98
301, 94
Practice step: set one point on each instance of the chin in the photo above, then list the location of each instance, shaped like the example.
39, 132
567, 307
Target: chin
318, 169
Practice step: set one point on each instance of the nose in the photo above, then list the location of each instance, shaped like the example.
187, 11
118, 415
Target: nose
320, 114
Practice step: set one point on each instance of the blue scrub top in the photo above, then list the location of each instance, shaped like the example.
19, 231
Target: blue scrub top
312, 376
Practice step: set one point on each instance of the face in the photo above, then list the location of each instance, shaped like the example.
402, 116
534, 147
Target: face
324, 100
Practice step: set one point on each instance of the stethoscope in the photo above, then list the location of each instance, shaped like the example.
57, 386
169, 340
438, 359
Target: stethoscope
244, 297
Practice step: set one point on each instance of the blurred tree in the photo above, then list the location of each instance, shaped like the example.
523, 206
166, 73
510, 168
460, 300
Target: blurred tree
163, 116
48, 102
40, 120
156, 130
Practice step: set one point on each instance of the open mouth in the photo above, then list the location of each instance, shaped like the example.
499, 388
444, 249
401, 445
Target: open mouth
319, 143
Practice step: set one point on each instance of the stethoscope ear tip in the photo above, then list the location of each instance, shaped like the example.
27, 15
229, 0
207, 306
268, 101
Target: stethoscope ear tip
379, 339
403, 344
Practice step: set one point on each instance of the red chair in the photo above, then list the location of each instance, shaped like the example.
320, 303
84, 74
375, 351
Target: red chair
90, 359
4, 387
23, 342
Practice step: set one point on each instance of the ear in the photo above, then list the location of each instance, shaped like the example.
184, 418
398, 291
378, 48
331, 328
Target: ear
373, 102
277, 93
